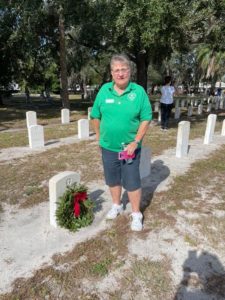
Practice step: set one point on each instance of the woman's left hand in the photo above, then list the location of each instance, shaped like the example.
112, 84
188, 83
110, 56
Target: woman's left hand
131, 148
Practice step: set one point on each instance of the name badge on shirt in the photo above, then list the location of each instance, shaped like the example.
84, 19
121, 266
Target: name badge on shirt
109, 100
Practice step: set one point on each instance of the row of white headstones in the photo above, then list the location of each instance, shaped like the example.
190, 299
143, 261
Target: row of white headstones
59, 182
215, 103
36, 132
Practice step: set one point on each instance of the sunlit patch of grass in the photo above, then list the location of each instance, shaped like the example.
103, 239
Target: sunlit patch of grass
101, 268
150, 277
202, 173
41, 167
13, 139
190, 240
212, 228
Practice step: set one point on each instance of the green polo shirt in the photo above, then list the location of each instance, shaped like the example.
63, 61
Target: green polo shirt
120, 115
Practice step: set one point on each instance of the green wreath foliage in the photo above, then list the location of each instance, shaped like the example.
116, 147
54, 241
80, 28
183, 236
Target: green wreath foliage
65, 209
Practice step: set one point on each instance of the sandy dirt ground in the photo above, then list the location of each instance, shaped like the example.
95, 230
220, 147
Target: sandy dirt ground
29, 242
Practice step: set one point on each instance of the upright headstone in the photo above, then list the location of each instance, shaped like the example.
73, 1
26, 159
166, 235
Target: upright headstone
200, 109
145, 162
36, 136
177, 113
89, 112
217, 104
189, 113
156, 106
196, 102
182, 139
223, 129
221, 101
210, 128
209, 107
83, 128
65, 116
31, 118
183, 103
159, 116
57, 187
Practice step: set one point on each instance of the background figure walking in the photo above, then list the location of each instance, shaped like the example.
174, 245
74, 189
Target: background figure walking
166, 102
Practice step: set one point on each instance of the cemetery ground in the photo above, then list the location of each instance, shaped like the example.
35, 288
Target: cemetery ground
179, 254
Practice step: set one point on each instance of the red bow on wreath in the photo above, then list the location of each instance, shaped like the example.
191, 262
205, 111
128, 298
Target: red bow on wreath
78, 197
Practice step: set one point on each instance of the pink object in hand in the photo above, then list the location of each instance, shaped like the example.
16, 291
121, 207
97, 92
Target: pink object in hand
123, 155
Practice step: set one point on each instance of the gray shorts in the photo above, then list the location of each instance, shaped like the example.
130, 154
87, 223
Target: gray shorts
119, 172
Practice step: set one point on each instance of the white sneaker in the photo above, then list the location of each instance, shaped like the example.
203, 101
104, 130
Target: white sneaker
114, 211
136, 224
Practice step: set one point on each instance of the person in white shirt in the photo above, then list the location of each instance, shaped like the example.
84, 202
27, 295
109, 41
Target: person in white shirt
166, 102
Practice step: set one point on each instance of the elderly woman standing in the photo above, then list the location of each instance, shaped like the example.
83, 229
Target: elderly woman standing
121, 116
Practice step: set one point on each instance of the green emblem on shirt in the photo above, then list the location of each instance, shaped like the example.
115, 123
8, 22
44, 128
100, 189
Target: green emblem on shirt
131, 96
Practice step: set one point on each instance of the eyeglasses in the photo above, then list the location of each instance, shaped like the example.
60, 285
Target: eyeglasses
121, 71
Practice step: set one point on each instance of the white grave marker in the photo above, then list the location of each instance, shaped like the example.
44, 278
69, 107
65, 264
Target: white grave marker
31, 118
189, 113
210, 128
145, 162
156, 106
159, 116
36, 136
83, 128
209, 107
182, 139
217, 105
177, 113
65, 116
57, 187
223, 128
200, 109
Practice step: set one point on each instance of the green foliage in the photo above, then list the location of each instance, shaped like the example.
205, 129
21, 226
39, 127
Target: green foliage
65, 210
101, 268
185, 36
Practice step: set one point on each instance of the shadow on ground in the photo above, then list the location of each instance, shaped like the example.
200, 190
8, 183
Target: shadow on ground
98, 200
159, 172
203, 277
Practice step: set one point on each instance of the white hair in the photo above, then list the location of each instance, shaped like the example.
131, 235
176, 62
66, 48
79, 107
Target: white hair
120, 58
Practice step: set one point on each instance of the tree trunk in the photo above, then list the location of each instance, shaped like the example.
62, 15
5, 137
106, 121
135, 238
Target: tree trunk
1, 101
142, 69
63, 67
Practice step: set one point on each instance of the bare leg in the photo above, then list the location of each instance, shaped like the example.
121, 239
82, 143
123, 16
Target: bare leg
135, 200
116, 194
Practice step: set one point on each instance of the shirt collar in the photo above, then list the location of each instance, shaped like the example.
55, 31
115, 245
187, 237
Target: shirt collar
129, 87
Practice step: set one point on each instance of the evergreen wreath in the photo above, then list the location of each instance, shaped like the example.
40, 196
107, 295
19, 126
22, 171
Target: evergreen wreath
75, 208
